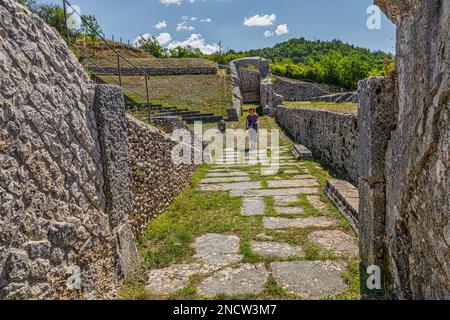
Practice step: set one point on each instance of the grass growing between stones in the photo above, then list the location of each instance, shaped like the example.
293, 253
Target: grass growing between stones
168, 239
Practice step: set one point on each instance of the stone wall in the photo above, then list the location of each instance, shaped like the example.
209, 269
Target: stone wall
71, 163
269, 100
156, 180
413, 238
332, 137
250, 85
155, 71
293, 90
55, 234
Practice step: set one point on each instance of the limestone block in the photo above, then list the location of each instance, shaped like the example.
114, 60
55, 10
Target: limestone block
378, 109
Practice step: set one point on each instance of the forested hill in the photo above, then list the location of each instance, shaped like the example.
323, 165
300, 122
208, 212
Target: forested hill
301, 50
333, 62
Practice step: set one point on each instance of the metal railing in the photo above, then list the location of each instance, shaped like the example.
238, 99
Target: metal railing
66, 6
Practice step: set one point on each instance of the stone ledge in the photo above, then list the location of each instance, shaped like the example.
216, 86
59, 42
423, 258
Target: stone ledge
301, 152
346, 198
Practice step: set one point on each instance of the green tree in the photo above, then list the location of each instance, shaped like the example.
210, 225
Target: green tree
152, 46
53, 15
351, 70
185, 52
90, 26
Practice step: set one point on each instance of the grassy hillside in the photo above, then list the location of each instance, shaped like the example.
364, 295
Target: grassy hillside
85, 46
111, 61
205, 93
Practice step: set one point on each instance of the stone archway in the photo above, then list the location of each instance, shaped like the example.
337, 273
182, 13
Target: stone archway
268, 99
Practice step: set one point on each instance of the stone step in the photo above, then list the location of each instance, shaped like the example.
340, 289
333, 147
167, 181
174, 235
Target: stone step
346, 198
301, 152
202, 118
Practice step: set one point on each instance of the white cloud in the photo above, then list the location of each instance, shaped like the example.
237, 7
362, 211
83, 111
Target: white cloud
161, 25
260, 20
268, 34
183, 26
169, 2
282, 29
197, 42
207, 20
164, 38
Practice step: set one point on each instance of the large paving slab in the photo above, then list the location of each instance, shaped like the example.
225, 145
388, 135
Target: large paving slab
274, 192
336, 241
293, 183
317, 203
253, 206
217, 249
231, 186
289, 210
227, 174
224, 179
310, 279
246, 279
285, 200
176, 277
275, 223
303, 176
272, 249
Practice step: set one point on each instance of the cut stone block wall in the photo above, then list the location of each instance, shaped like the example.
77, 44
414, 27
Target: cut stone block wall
332, 137
55, 233
67, 225
293, 90
378, 111
269, 100
412, 242
250, 85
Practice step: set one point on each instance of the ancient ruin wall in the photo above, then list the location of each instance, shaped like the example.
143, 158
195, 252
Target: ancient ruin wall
55, 235
250, 85
293, 90
156, 180
71, 165
405, 198
418, 155
332, 137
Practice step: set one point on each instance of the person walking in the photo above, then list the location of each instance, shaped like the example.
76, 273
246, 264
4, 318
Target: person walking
252, 127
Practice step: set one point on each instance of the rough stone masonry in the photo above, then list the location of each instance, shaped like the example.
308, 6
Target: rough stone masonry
68, 163
409, 234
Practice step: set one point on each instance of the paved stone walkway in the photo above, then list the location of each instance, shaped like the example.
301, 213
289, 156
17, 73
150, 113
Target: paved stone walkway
280, 202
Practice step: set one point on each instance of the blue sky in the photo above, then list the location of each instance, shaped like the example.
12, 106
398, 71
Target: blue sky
205, 22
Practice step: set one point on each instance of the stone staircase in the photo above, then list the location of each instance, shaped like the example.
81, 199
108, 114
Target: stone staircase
159, 111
